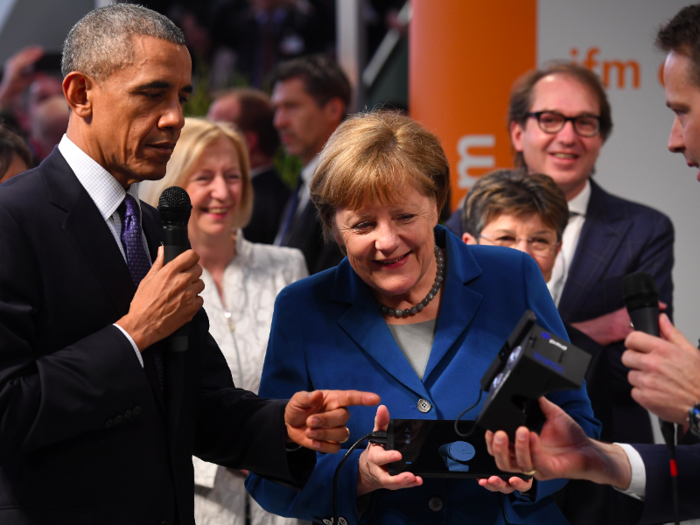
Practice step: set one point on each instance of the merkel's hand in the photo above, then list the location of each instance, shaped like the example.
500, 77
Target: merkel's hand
317, 419
371, 470
664, 375
167, 298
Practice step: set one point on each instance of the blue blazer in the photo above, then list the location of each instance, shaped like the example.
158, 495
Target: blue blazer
327, 332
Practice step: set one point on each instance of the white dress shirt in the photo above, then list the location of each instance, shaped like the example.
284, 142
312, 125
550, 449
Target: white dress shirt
107, 194
305, 193
577, 217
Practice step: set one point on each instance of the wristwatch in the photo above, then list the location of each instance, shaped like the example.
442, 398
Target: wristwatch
694, 419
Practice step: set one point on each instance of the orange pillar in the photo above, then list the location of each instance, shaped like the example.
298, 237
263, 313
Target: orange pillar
464, 56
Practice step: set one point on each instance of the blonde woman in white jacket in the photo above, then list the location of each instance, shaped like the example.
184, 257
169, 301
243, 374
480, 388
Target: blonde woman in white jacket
242, 280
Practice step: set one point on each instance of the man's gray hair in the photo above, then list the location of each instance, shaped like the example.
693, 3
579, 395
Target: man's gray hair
101, 42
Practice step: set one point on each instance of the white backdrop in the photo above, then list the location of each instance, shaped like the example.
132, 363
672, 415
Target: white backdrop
634, 162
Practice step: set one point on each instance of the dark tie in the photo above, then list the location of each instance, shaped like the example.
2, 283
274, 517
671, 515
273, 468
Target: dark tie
132, 239
136, 257
289, 217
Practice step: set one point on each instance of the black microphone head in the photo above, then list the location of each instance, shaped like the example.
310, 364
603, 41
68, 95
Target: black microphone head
639, 291
174, 206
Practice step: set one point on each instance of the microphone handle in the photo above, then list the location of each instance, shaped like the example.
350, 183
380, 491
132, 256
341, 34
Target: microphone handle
176, 242
646, 319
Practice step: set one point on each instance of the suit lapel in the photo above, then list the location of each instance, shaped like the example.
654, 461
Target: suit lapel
94, 240
88, 231
459, 303
364, 324
601, 236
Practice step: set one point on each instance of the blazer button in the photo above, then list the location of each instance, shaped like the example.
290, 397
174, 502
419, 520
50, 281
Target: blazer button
435, 504
342, 521
424, 406
118, 420
109, 423
137, 410
127, 414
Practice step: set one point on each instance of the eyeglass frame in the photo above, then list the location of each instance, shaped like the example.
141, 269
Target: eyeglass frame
538, 114
528, 242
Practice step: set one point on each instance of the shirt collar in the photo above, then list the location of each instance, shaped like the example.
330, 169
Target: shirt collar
308, 171
579, 204
103, 188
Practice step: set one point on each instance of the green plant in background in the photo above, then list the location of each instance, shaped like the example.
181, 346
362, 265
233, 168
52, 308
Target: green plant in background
198, 104
288, 167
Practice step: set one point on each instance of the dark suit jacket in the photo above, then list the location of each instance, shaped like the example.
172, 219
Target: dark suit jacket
306, 234
618, 237
658, 504
270, 196
86, 434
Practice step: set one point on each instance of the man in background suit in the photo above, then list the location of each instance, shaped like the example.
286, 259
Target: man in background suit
98, 419
311, 96
665, 372
251, 112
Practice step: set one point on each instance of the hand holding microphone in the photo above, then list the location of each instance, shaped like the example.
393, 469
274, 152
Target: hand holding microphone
665, 375
168, 297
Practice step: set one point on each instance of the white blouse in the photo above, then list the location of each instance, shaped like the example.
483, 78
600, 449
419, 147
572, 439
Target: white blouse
241, 328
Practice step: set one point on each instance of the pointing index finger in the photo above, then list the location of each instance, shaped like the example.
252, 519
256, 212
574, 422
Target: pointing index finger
346, 398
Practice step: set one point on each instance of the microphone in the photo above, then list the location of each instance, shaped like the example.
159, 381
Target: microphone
642, 301
175, 208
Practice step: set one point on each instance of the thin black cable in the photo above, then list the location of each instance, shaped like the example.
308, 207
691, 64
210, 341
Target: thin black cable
670, 433
337, 472
471, 431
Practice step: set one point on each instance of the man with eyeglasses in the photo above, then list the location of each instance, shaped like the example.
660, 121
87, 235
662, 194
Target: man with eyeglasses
559, 119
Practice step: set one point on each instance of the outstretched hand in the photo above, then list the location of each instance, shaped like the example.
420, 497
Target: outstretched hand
562, 450
317, 419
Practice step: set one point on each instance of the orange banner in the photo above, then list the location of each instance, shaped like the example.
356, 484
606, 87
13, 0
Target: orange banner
464, 56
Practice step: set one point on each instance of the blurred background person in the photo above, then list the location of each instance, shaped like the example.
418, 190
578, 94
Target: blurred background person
241, 280
14, 154
412, 313
311, 96
251, 112
26, 83
49, 122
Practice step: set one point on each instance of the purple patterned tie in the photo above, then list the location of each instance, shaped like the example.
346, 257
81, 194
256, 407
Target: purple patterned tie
136, 257
132, 239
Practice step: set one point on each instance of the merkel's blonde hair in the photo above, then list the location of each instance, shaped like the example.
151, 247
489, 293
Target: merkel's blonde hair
196, 136
375, 155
